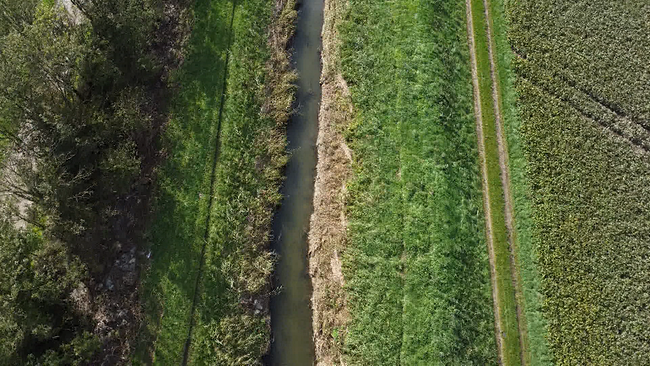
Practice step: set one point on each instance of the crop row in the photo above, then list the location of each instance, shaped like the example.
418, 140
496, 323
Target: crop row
589, 184
599, 45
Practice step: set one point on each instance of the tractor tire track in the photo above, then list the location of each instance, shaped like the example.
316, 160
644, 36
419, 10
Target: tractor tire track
484, 174
507, 191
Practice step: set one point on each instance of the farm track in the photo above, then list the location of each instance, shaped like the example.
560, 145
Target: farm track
507, 191
213, 174
505, 186
486, 197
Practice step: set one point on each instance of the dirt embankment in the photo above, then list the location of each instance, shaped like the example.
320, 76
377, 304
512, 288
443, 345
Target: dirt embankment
327, 234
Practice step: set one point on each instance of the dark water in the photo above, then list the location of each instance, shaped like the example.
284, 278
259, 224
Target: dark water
290, 310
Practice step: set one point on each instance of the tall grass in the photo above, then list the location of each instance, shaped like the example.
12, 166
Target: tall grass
416, 265
231, 328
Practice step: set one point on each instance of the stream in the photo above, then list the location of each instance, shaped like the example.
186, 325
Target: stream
291, 318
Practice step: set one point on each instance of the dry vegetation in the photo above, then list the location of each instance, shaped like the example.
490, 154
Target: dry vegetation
327, 233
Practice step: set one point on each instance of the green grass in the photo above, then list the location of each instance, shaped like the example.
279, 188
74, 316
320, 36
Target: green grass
238, 261
506, 293
183, 187
247, 175
416, 265
536, 325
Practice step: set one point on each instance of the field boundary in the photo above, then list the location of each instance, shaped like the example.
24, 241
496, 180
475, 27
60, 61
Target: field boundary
508, 197
511, 329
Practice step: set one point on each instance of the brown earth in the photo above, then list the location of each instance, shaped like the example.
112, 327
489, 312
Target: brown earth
327, 234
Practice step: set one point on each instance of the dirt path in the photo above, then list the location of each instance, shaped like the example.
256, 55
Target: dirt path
484, 174
507, 192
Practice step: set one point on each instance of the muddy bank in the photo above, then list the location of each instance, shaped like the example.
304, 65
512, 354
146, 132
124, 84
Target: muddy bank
290, 307
327, 234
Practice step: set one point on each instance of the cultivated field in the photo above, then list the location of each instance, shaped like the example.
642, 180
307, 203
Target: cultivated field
583, 81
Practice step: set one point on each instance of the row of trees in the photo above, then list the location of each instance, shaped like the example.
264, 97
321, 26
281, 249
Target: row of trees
82, 104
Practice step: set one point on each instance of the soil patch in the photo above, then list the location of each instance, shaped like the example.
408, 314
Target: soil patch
327, 235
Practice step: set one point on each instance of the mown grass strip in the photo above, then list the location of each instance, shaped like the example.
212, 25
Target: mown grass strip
536, 352
183, 181
213, 176
507, 305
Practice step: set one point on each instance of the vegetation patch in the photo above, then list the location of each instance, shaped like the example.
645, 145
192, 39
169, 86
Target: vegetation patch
536, 325
208, 285
83, 97
416, 264
506, 301
584, 119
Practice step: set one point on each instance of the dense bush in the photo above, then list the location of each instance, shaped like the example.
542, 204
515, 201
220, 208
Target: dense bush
82, 101
39, 321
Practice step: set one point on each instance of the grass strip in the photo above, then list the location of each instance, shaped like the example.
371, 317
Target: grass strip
536, 325
213, 176
416, 265
231, 324
184, 181
504, 276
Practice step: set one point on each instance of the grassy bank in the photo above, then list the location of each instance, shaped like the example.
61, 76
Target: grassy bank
241, 112
416, 264
584, 118
536, 325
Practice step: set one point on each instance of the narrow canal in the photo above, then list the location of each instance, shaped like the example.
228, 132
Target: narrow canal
291, 320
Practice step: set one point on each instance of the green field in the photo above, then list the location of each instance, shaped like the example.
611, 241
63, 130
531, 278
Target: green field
143, 146
583, 98
214, 208
416, 265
